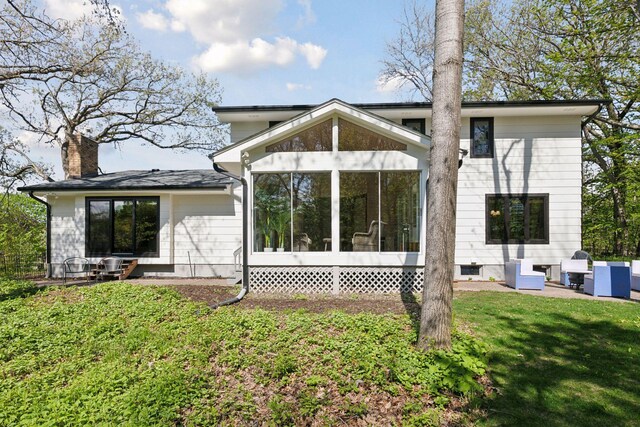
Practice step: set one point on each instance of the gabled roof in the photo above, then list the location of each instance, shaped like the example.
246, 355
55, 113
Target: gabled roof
322, 112
140, 180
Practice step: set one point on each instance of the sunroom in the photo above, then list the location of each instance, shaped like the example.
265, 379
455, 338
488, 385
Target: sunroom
337, 202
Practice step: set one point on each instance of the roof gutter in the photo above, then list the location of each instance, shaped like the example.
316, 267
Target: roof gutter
48, 249
245, 236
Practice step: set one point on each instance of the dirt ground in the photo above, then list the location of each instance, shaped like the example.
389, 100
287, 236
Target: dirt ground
213, 291
379, 304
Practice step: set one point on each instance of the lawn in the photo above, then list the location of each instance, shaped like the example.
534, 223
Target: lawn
557, 362
121, 354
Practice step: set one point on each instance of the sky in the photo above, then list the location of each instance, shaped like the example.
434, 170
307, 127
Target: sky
262, 52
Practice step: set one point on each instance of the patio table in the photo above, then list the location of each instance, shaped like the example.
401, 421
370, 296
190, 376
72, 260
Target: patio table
580, 272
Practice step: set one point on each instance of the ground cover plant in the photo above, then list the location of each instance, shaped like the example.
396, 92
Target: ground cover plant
141, 355
557, 362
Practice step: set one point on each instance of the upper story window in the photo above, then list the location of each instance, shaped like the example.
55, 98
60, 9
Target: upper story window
352, 137
517, 218
315, 138
482, 137
122, 226
416, 124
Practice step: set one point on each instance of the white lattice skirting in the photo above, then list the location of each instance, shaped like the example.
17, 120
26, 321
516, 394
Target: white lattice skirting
308, 280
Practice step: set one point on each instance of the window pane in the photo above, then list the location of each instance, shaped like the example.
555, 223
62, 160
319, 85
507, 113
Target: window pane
272, 211
416, 124
481, 138
536, 219
316, 138
359, 211
497, 221
352, 137
147, 226
123, 226
516, 219
311, 211
99, 227
400, 194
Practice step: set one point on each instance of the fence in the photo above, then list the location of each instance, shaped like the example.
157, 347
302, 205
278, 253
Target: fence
23, 266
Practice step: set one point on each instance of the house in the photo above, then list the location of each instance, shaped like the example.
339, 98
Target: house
338, 198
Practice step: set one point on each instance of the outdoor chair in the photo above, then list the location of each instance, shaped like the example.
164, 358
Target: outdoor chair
572, 271
635, 275
367, 242
302, 243
75, 265
519, 274
109, 267
609, 279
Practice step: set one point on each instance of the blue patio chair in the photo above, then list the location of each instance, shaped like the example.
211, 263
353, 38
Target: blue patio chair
519, 274
610, 280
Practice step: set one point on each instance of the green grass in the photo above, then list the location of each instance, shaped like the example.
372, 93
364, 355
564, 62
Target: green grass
117, 354
558, 362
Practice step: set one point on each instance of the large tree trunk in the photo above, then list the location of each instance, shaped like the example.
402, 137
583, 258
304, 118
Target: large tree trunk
435, 321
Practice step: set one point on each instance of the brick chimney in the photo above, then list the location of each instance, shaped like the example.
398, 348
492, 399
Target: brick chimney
83, 156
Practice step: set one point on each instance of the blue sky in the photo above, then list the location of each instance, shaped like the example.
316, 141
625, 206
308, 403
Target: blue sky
261, 52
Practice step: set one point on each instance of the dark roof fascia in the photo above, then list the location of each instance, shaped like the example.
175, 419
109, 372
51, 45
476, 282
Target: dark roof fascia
400, 105
107, 188
135, 180
316, 107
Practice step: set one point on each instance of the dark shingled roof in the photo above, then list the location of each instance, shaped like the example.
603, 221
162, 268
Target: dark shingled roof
140, 180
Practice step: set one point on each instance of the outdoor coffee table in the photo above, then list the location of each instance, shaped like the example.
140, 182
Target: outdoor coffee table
579, 272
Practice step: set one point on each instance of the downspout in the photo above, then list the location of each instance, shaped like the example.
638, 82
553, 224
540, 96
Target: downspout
245, 236
48, 249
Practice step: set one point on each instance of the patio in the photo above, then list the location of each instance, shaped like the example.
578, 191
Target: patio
552, 289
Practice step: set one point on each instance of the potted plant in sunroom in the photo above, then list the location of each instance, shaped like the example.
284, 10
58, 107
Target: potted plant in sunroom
280, 225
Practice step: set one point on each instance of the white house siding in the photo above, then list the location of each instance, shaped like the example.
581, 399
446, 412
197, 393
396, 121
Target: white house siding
242, 130
67, 231
532, 155
208, 229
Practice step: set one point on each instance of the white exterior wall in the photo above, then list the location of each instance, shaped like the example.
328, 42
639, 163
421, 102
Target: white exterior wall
208, 229
242, 130
205, 227
532, 155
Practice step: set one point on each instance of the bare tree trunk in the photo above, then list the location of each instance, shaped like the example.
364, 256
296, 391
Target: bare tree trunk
435, 320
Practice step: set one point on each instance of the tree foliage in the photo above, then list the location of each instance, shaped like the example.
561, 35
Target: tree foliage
60, 78
22, 225
568, 49
558, 49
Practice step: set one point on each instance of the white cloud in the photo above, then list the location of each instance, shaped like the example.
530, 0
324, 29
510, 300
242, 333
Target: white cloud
308, 17
153, 20
392, 85
75, 9
225, 21
238, 33
68, 9
292, 87
247, 57
314, 54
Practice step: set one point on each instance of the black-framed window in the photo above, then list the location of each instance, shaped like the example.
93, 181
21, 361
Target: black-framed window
125, 226
415, 124
481, 137
517, 218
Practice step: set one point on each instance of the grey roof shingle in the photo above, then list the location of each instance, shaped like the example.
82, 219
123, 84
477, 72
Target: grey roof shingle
140, 180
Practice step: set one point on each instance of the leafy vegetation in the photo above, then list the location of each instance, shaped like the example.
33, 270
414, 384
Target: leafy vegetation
557, 361
23, 224
122, 354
